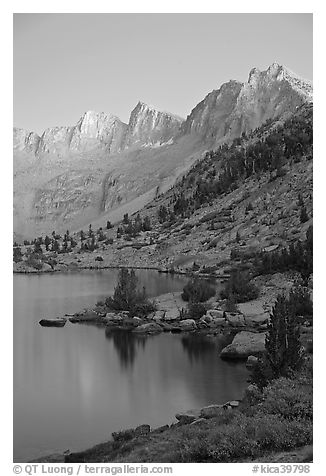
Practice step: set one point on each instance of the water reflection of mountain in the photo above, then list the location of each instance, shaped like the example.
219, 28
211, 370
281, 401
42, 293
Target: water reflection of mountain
126, 344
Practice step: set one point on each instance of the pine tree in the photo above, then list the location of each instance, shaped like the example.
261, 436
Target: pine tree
147, 224
47, 241
303, 215
18, 256
283, 347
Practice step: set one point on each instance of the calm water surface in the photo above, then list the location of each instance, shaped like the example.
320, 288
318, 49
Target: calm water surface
74, 385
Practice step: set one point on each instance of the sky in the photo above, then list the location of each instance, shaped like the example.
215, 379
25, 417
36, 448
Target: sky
66, 64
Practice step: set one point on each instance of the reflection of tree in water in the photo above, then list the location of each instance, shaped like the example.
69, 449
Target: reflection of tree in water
198, 347
126, 344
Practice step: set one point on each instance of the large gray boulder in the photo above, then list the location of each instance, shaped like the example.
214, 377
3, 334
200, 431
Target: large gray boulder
112, 316
171, 304
158, 315
235, 319
188, 417
172, 314
254, 312
244, 344
215, 313
87, 316
188, 324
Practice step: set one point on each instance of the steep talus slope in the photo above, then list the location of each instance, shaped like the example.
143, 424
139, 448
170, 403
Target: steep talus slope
101, 167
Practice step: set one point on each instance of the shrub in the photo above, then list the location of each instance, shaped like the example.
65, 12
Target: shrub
197, 290
239, 287
288, 399
196, 310
299, 298
243, 437
230, 305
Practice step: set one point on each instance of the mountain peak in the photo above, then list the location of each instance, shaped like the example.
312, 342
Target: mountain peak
148, 126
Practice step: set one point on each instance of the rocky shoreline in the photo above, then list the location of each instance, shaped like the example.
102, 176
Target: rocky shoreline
247, 328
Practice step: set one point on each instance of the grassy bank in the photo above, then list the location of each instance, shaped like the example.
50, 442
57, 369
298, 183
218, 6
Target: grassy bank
276, 419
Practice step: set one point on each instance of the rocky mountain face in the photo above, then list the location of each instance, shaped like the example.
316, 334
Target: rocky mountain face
238, 108
101, 167
150, 127
25, 141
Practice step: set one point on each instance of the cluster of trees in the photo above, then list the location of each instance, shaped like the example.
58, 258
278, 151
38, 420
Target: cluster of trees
238, 288
298, 257
221, 170
131, 228
89, 241
127, 296
17, 253
196, 292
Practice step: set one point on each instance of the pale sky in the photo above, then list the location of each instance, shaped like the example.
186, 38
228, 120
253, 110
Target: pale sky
66, 64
